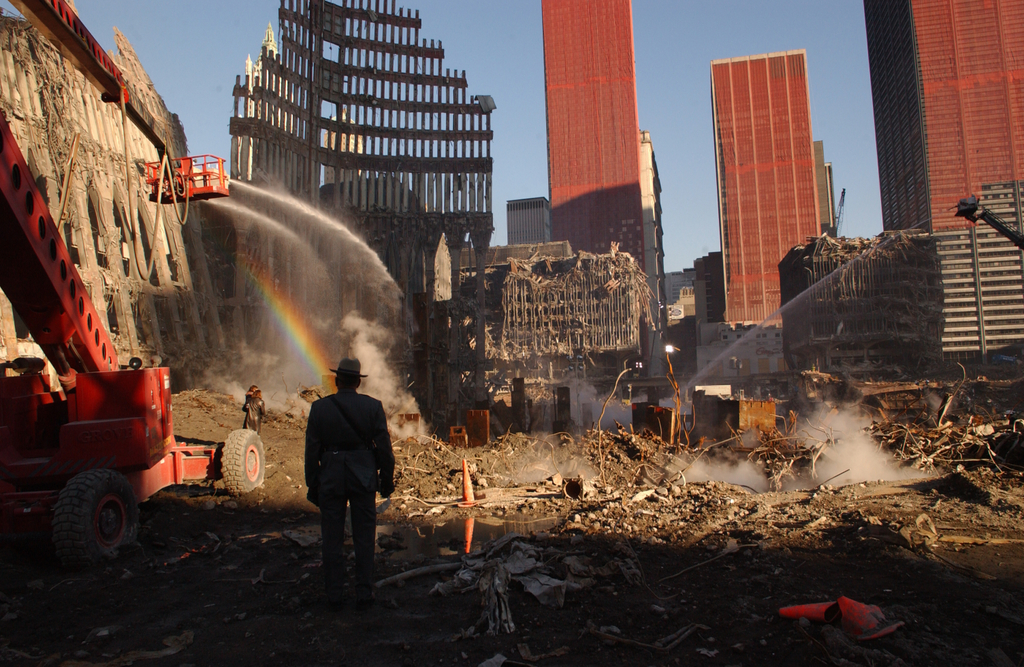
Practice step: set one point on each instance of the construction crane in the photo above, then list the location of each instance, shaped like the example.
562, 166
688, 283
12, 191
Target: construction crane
839, 212
77, 458
970, 208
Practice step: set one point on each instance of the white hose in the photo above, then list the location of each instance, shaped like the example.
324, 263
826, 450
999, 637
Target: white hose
146, 267
174, 196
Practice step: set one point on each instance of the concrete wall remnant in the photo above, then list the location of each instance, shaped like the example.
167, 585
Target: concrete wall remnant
140, 265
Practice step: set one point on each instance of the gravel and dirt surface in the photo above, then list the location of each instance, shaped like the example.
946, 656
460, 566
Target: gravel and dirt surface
610, 578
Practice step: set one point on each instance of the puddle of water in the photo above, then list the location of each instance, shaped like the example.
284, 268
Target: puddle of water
456, 536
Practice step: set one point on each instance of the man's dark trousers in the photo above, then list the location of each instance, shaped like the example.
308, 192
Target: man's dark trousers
339, 487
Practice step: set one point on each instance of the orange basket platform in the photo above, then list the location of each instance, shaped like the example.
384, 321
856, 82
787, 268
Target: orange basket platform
198, 178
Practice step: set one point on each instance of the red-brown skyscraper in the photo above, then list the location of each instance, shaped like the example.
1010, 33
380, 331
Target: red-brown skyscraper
947, 82
593, 129
947, 79
767, 193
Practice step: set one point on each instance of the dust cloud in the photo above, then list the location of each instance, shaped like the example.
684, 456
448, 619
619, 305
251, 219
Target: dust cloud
585, 395
547, 458
855, 457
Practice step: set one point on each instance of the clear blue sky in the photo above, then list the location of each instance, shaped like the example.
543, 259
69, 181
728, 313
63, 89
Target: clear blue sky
194, 49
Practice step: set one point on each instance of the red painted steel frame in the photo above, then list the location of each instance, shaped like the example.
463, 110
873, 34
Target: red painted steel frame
118, 419
61, 25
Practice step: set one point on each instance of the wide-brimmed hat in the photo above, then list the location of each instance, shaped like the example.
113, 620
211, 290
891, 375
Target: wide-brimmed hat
348, 367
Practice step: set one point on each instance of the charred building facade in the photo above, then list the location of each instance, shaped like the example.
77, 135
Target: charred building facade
863, 304
547, 308
356, 112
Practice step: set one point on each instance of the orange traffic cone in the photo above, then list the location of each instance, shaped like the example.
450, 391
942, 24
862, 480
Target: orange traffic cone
822, 612
468, 500
469, 533
864, 621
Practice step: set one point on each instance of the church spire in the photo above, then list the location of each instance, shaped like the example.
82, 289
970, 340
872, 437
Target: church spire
268, 40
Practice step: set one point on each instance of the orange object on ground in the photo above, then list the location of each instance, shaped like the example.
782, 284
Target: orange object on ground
468, 499
859, 620
822, 612
864, 621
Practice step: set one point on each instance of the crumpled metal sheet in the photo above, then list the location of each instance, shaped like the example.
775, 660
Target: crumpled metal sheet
549, 591
497, 661
464, 580
520, 563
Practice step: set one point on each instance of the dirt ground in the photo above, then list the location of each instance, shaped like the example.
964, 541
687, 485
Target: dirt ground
215, 580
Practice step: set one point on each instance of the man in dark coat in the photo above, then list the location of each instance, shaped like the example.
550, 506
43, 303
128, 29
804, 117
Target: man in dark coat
348, 459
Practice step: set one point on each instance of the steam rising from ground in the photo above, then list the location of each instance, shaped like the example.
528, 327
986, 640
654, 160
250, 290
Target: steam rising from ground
546, 459
279, 377
369, 343
851, 456
587, 396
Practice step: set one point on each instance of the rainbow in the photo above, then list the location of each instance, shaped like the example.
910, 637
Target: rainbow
290, 321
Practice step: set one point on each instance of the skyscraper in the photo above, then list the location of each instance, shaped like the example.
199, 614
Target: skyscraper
529, 220
949, 121
826, 194
593, 129
767, 191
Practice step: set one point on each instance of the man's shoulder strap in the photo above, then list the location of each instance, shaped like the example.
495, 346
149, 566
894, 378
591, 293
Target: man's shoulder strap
344, 415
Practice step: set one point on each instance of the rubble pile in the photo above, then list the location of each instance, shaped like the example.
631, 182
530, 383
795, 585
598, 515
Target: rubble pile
600, 549
998, 442
523, 472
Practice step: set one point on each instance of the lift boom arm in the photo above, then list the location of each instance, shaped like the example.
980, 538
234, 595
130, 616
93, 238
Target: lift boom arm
38, 276
61, 25
970, 209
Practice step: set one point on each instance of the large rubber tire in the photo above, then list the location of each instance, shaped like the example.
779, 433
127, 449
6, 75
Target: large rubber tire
96, 513
242, 462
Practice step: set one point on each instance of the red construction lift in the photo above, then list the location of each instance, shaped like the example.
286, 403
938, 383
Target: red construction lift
76, 459
198, 178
